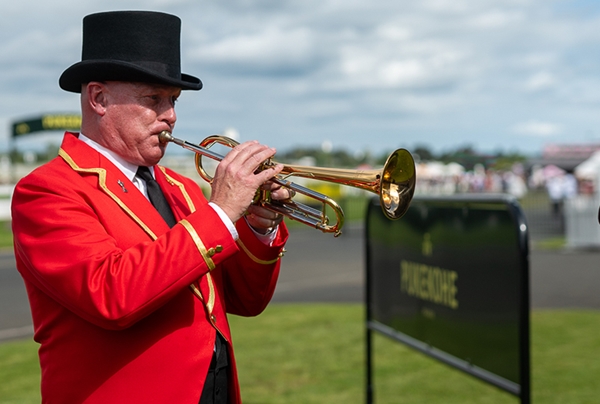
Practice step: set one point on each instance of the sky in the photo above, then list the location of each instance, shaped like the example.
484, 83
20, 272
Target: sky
360, 75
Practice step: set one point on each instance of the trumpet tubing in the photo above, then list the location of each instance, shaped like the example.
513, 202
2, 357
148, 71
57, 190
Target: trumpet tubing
395, 183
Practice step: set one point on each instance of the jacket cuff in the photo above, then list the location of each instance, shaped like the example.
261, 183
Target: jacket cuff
210, 235
258, 251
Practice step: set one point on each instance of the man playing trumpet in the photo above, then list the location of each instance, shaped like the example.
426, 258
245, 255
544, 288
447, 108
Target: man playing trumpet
129, 300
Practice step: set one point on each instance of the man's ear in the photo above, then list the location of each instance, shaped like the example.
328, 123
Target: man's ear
96, 97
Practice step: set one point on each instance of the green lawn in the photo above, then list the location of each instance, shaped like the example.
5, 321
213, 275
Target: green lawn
314, 353
6, 238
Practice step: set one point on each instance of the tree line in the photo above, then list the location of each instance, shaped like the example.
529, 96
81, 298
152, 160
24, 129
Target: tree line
467, 156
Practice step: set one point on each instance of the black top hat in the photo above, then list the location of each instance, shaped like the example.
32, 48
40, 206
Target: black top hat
129, 46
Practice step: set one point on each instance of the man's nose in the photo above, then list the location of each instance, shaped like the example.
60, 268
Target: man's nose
168, 114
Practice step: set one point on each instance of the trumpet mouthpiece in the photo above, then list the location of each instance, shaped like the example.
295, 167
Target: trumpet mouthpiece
165, 136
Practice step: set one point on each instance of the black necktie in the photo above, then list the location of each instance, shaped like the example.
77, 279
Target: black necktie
156, 196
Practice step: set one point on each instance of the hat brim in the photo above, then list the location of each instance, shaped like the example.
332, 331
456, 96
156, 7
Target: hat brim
115, 70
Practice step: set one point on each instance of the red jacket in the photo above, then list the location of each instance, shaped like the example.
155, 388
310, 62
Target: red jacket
109, 282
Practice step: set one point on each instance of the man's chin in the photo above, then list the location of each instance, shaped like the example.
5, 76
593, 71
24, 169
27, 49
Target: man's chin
155, 158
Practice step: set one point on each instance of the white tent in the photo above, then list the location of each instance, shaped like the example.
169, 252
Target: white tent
453, 169
590, 168
438, 170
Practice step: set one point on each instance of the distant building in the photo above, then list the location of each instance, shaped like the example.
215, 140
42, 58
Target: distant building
565, 156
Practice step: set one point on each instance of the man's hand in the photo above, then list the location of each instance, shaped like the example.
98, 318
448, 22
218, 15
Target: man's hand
236, 180
263, 220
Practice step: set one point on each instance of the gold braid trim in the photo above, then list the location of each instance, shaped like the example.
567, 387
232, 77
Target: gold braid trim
102, 183
255, 258
199, 244
209, 262
211, 290
173, 181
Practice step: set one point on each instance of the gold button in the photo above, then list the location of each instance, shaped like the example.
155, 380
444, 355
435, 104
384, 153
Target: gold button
213, 250
213, 318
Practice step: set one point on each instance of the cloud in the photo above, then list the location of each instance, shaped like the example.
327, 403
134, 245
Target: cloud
537, 128
270, 50
540, 81
388, 64
496, 18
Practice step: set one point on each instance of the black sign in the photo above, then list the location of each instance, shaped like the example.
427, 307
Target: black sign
451, 279
47, 122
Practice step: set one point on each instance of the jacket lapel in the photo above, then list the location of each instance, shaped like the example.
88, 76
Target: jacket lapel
111, 181
180, 201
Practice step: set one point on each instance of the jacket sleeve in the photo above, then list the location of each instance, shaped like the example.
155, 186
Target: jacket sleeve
250, 277
81, 249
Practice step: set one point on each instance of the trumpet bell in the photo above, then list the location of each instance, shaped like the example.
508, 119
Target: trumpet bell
397, 184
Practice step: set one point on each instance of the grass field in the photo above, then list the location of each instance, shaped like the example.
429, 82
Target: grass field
314, 353
6, 239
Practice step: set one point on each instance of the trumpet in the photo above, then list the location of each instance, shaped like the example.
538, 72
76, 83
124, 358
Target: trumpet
395, 184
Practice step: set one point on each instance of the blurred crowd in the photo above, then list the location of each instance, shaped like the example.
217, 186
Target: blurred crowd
434, 178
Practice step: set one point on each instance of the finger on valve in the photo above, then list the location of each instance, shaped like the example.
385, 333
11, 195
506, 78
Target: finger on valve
278, 192
263, 218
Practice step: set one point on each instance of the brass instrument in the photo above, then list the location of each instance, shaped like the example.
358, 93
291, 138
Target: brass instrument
395, 183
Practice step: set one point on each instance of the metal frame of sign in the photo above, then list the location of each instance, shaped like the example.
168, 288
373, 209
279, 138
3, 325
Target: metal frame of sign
521, 388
